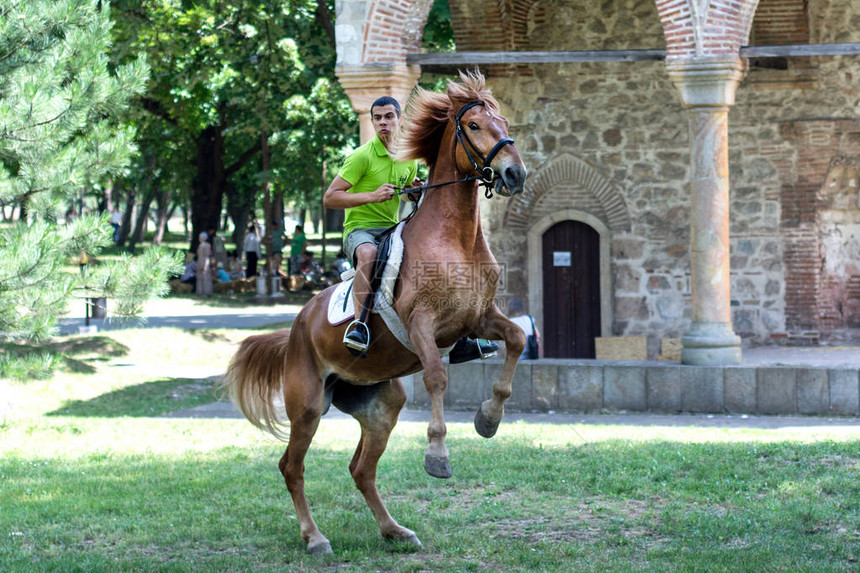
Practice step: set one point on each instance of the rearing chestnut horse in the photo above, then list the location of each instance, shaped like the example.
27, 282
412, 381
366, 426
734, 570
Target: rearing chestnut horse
463, 139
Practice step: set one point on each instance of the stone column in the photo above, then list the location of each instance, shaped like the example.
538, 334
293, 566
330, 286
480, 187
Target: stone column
707, 87
364, 83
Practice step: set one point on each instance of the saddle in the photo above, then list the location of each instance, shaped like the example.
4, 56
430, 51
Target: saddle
381, 299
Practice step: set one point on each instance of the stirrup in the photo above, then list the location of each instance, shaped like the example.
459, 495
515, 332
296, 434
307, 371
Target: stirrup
491, 347
356, 345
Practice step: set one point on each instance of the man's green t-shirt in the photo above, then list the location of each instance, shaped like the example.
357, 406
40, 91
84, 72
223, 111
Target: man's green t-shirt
298, 244
366, 170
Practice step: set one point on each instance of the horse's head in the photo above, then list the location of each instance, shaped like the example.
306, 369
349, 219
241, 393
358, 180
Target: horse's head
484, 147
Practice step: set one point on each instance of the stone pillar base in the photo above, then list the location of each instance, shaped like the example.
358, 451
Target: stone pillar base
711, 344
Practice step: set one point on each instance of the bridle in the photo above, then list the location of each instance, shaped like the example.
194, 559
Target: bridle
485, 173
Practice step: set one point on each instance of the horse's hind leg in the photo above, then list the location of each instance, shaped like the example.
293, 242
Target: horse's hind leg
376, 408
304, 398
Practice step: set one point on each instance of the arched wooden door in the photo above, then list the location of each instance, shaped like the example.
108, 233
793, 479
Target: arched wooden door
571, 290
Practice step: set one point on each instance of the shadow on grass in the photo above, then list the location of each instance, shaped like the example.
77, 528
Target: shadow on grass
78, 354
37, 361
212, 336
144, 400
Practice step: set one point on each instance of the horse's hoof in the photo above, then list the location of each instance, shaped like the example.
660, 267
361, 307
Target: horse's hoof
410, 540
437, 466
320, 548
413, 541
484, 426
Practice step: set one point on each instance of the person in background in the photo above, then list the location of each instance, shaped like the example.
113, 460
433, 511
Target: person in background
297, 247
234, 265
189, 275
277, 247
309, 264
115, 222
516, 312
219, 251
252, 251
340, 264
204, 266
222, 275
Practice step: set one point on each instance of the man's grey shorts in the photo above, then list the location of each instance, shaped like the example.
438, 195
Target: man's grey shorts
359, 236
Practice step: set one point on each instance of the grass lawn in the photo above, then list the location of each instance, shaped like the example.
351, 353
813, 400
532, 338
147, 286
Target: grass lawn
92, 478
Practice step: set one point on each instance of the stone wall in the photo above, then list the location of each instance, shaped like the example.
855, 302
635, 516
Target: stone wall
596, 385
623, 124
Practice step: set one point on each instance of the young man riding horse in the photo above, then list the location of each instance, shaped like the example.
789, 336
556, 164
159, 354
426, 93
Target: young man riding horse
365, 188
463, 138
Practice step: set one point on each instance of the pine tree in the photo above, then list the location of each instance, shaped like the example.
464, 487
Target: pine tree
61, 130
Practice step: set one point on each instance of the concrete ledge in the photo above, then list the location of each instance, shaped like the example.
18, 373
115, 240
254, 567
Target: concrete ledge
594, 385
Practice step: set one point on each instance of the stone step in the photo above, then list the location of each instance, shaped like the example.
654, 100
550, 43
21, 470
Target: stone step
595, 385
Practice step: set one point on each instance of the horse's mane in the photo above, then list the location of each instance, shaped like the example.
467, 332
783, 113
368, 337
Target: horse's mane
428, 114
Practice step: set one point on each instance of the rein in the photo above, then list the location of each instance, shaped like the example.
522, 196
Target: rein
485, 174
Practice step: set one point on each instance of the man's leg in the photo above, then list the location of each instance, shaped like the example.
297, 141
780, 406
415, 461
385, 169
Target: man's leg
358, 335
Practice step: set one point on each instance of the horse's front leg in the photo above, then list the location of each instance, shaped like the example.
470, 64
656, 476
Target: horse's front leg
422, 334
496, 326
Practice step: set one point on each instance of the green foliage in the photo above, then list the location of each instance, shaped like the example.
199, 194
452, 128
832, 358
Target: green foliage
438, 31
62, 131
241, 67
26, 365
438, 37
59, 100
316, 133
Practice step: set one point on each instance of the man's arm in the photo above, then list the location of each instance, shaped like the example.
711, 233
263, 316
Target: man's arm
337, 196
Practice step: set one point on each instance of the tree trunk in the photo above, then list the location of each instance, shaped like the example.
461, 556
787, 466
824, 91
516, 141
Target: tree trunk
207, 187
323, 187
185, 211
140, 224
162, 213
239, 209
267, 208
125, 227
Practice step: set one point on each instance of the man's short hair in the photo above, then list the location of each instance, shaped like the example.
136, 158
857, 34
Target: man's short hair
386, 100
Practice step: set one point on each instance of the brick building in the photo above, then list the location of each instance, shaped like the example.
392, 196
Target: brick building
711, 194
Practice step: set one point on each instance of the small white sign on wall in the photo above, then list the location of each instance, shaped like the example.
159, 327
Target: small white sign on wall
561, 258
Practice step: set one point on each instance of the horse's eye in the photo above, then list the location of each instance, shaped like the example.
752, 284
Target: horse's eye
473, 126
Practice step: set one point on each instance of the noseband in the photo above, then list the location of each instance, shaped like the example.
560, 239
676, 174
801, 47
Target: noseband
486, 172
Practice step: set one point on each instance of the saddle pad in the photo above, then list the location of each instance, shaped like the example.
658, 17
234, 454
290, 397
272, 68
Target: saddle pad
341, 306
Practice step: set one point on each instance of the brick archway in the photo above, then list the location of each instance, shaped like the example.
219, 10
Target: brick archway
705, 28
373, 39
568, 168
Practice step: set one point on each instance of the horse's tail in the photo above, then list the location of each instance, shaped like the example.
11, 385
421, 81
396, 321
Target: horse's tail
255, 378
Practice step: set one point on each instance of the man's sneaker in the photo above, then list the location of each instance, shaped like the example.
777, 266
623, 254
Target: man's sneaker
467, 349
357, 338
